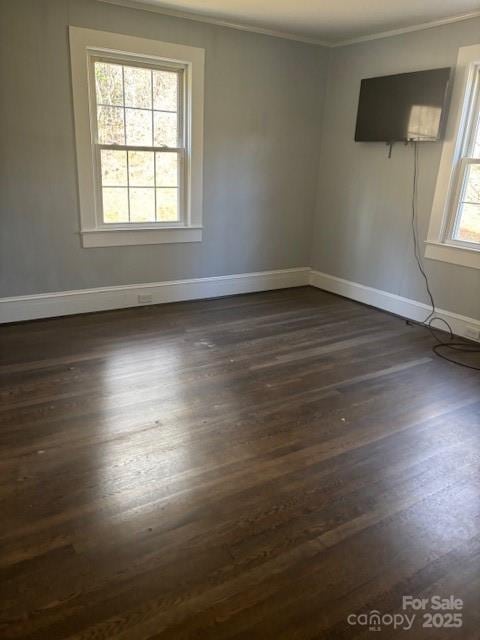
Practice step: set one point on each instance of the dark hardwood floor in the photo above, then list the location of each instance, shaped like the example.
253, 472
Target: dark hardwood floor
258, 467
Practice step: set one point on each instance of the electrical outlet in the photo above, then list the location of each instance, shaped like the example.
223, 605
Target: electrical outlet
473, 333
144, 299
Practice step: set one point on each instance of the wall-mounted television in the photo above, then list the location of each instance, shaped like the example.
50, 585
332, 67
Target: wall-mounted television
403, 107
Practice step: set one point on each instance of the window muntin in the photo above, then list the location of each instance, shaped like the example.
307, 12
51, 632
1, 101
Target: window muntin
465, 223
139, 139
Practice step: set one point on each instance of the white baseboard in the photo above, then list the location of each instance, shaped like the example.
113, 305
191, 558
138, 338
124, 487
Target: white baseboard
405, 307
63, 303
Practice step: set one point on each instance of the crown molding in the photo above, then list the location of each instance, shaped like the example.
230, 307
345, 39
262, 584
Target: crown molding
398, 32
186, 15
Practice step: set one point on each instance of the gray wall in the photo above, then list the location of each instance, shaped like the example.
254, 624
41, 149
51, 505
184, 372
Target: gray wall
262, 126
362, 224
265, 139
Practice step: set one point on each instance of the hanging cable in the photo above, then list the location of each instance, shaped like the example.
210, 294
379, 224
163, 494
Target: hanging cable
442, 347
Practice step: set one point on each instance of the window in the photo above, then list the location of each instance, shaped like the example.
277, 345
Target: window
138, 118
466, 205
454, 234
139, 143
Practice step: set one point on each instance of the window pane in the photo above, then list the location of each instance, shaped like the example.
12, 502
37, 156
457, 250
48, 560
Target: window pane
111, 129
115, 204
472, 192
165, 129
114, 168
109, 83
141, 169
476, 144
165, 90
142, 205
138, 87
469, 227
167, 205
167, 169
139, 127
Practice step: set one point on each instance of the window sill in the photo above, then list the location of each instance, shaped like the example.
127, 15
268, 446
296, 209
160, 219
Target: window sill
453, 254
129, 237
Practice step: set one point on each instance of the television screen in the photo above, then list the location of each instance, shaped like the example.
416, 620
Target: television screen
406, 106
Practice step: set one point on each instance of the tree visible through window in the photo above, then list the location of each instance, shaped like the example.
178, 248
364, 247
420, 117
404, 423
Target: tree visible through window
139, 142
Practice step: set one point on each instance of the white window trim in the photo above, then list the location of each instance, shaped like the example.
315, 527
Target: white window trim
439, 245
85, 43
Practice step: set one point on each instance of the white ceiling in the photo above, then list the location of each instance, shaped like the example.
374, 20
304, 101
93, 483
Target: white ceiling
331, 21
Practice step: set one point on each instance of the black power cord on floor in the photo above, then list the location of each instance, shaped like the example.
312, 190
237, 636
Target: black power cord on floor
442, 347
